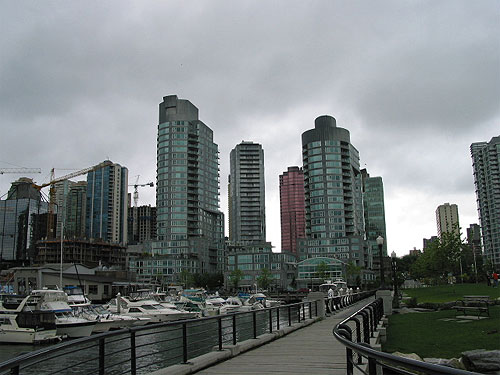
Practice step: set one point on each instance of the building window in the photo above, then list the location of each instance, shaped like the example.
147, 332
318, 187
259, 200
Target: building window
92, 289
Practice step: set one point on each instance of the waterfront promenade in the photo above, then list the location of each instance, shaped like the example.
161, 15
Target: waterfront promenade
309, 350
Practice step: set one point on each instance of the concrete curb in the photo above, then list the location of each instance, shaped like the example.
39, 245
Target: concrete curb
230, 351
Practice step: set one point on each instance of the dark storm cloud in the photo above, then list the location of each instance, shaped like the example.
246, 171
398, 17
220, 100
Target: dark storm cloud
415, 83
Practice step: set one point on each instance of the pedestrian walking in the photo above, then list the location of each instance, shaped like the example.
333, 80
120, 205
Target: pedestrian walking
495, 279
330, 293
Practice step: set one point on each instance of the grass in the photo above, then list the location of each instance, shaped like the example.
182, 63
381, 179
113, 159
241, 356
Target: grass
428, 335
449, 293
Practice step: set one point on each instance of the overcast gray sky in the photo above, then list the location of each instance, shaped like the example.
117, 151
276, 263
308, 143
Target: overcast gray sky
415, 82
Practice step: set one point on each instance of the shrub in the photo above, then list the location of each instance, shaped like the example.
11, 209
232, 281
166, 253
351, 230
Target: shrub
412, 302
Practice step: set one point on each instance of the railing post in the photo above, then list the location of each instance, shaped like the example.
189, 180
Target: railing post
101, 356
289, 316
350, 362
219, 321
298, 313
133, 358
270, 320
184, 343
278, 319
316, 307
234, 329
310, 310
366, 326
303, 311
254, 314
372, 365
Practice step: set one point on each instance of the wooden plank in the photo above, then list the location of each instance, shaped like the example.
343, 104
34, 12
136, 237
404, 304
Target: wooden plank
310, 350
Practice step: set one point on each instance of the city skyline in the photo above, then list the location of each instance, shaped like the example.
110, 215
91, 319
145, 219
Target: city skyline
415, 85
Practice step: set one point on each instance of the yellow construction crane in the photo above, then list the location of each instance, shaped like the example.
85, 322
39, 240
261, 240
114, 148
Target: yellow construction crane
136, 192
52, 191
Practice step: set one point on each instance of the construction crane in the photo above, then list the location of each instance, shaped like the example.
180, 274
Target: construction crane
20, 170
136, 192
52, 191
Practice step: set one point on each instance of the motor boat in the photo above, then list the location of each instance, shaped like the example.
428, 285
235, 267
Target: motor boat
56, 300
26, 327
76, 298
106, 320
146, 308
263, 300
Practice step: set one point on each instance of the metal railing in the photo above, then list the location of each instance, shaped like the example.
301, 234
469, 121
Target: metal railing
141, 350
336, 303
355, 333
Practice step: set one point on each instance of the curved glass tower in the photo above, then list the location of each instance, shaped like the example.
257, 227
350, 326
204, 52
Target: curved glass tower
333, 200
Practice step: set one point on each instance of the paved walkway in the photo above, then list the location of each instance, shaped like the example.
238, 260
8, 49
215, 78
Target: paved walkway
311, 350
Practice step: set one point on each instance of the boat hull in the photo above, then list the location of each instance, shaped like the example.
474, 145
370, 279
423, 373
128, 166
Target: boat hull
27, 336
74, 330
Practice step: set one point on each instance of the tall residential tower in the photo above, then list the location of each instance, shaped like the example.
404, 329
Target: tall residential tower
107, 189
486, 167
374, 213
333, 201
190, 227
447, 219
247, 199
292, 209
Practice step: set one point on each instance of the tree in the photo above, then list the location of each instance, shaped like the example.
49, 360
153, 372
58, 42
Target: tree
207, 280
235, 277
353, 273
444, 256
186, 278
322, 270
265, 279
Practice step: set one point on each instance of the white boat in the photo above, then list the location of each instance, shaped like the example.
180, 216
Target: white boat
76, 298
262, 299
236, 304
146, 308
56, 300
106, 320
21, 327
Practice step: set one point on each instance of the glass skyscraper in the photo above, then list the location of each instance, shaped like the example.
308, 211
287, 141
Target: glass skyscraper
374, 213
190, 227
23, 221
247, 197
107, 201
333, 201
486, 168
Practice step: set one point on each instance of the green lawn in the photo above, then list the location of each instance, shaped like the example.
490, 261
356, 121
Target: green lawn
428, 335
448, 293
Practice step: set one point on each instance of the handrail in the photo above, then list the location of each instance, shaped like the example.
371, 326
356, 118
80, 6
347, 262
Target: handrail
228, 329
371, 315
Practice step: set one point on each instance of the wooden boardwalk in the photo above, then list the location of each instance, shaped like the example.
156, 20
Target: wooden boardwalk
311, 350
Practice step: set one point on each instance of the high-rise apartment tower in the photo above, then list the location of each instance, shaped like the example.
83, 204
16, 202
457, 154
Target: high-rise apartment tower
292, 209
374, 214
333, 201
486, 168
247, 206
106, 217
447, 219
190, 227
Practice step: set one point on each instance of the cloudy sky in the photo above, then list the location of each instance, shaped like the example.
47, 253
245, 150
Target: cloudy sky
415, 82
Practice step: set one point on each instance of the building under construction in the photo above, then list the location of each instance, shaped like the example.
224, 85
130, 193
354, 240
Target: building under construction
89, 253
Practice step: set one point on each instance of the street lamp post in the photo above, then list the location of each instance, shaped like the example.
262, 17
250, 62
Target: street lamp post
395, 301
380, 243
